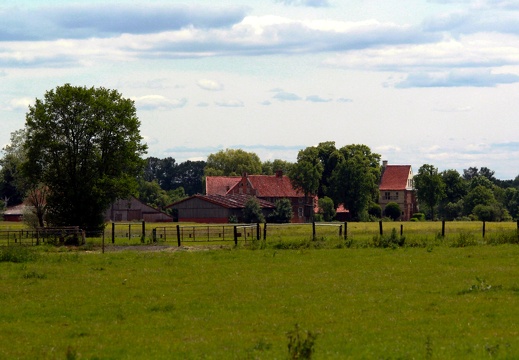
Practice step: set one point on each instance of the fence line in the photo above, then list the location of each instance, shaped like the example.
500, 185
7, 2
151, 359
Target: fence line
216, 232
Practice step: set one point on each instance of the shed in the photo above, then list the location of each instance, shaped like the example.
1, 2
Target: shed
215, 208
133, 209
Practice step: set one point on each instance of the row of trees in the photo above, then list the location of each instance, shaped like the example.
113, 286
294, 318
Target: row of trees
476, 193
81, 149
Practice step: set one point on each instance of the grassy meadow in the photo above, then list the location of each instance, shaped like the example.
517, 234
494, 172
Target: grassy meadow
424, 302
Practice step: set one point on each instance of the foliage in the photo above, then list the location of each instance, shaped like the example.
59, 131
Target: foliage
487, 212
282, 212
479, 195
326, 208
170, 175
270, 167
300, 345
392, 210
12, 182
84, 145
252, 211
152, 194
375, 210
430, 187
306, 173
16, 254
232, 162
393, 240
355, 179
418, 216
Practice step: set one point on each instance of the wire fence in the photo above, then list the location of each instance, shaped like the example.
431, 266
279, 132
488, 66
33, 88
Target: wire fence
179, 234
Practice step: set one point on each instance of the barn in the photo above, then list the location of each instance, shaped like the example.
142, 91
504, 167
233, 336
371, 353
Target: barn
215, 208
133, 209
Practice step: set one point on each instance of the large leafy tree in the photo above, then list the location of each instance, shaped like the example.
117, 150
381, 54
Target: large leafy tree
329, 157
355, 179
232, 162
451, 206
430, 187
12, 183
305, 175
84, 144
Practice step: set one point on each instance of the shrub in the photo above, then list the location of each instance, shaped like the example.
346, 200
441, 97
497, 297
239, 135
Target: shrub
418, 217
299, 346
375, 210
389, 241
252, 212
392, 210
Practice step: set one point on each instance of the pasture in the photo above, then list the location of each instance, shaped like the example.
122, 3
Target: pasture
425, 302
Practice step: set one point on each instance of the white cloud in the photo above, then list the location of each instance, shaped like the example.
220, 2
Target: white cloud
159, 102
317, 99
230, 103
210, 85
18, 104
286, 96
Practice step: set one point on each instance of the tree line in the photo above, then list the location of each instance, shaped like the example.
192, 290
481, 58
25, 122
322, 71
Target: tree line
81, 149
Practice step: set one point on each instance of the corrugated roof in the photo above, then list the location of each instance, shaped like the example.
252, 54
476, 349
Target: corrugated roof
227, 201
395, 177
219, 185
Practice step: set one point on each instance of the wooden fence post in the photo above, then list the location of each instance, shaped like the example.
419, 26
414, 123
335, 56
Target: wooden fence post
443, 228
345, 230
143, 230
113, 233
258, 231
235, 235
313, 230
401, 229
178, 235
265, 230
380, 229
484, 226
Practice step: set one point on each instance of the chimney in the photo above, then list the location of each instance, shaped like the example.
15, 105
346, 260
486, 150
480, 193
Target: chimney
384, 163
279, 173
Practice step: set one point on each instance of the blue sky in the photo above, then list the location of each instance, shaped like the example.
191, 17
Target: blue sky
419, 82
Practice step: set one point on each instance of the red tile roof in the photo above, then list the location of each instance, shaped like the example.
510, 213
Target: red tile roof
219, 185
395, 177
272, 186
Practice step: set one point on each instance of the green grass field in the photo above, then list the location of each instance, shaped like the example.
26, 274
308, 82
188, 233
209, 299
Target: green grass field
437, 302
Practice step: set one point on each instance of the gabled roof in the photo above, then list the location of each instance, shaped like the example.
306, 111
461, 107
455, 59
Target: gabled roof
270, 186
395, 177
226, 201
273, 186
220, 185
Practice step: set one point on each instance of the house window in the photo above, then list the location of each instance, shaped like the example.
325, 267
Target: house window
388, 196
300, 212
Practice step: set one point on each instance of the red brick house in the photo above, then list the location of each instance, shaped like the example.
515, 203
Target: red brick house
265, 187
396, 185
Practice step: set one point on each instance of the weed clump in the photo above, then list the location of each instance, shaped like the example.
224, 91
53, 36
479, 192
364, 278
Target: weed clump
300, 344
389, 241
480, 286
16, 254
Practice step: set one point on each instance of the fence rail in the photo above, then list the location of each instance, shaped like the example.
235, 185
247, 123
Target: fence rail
126, 233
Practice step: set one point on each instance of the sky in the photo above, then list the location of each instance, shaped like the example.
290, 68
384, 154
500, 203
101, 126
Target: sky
419, 82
